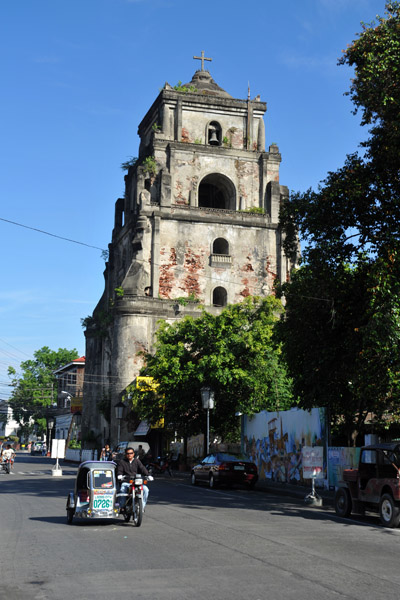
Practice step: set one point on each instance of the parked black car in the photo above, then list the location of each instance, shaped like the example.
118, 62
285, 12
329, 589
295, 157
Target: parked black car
225, 468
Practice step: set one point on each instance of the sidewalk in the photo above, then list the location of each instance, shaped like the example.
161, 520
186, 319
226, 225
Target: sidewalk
282, 489
295, 491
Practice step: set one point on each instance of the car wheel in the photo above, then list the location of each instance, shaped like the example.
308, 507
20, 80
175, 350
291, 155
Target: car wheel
212, 482
193, 479
388, 511
252, 484
343, 502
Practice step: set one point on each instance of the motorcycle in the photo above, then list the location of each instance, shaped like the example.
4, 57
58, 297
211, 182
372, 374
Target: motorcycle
133, 508
160, 466
6, 465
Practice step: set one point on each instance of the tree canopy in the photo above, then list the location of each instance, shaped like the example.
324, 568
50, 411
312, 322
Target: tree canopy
35, 388
233, 353
342, 331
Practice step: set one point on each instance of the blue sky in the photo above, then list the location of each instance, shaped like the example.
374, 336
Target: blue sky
77, 78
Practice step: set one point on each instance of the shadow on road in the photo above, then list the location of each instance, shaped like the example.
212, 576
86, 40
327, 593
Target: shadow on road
175, 492
203, 499
79, 522
61, 520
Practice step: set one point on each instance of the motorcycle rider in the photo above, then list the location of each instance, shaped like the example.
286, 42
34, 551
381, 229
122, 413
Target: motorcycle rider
8, 454
128, 467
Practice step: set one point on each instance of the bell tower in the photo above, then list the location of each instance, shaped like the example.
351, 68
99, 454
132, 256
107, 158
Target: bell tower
198, 224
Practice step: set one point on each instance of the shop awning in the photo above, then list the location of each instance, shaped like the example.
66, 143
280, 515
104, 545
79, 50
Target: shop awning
143, 428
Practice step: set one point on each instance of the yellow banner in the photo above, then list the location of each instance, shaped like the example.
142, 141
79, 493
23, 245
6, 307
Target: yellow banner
76, 405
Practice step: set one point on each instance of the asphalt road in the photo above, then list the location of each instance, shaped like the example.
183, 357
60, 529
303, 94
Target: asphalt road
194, 543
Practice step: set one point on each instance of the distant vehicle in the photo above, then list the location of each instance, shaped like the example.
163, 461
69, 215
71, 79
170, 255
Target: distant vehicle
37, 448
374, 486
159, 466
120, 449
225, 468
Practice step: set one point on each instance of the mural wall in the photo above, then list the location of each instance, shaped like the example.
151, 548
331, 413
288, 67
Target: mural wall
339, 459
274, 441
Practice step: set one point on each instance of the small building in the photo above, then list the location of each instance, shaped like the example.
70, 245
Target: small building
70, 380
7, 424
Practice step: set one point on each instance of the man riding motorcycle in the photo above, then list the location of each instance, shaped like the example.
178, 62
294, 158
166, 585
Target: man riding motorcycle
127, 468
8, 454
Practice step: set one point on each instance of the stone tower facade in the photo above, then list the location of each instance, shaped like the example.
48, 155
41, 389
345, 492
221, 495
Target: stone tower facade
199, 221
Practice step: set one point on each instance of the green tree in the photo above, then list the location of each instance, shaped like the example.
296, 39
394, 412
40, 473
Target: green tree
36, 387
232, 352
342, 325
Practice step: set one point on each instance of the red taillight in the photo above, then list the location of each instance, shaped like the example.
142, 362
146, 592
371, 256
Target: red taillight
223, 467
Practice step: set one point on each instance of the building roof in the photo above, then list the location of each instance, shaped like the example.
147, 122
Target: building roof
78, 362
205, 84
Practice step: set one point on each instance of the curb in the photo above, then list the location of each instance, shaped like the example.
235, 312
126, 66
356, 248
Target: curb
280, 489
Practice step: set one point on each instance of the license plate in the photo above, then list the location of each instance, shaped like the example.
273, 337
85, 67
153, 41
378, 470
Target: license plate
238, 468
103, 502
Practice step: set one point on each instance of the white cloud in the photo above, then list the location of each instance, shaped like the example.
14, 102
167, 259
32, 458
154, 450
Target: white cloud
309, 62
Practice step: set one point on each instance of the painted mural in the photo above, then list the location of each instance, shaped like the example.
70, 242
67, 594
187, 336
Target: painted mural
274, 441
339, 459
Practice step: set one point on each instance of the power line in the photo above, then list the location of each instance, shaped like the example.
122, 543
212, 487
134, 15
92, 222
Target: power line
60, 237
17, 349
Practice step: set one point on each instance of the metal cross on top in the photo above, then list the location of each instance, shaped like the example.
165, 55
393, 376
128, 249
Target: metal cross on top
202, 58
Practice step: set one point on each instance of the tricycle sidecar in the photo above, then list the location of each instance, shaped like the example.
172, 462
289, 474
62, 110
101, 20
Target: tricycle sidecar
95, 492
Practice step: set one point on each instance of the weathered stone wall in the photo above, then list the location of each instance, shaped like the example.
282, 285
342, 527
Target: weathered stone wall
183, 230
186, 262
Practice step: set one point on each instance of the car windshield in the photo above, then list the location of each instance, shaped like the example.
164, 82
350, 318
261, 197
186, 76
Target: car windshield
392, 457
224, 457
103, 479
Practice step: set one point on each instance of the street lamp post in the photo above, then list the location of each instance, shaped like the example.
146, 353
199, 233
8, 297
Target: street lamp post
50, 425
207, 398
119, 415
56, 470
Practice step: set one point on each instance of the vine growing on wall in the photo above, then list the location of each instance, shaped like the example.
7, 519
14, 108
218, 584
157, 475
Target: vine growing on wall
255, 210
129, 163
99, 322
150, 166
185, 89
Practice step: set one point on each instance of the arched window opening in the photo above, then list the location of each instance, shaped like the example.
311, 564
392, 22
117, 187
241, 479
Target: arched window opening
120, 213
211, 197
220, 246
214, 134
217, 191
220, 297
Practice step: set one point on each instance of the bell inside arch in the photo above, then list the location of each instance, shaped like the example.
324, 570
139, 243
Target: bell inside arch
213, 138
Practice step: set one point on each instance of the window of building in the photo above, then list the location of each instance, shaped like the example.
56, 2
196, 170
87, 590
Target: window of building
214, 134
220, 246
220, 296
217, 191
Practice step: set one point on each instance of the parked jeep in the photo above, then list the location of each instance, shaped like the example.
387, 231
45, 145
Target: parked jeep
374, 486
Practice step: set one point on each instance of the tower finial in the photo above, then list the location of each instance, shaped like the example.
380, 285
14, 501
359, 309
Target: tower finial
202, 58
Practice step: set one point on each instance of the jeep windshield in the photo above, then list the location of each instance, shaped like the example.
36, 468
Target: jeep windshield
392, 457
